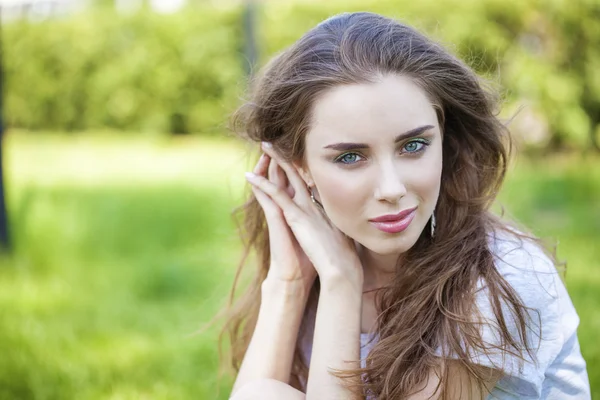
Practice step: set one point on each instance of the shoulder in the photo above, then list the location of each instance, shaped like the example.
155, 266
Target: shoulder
526, 267
551, 318
516, 255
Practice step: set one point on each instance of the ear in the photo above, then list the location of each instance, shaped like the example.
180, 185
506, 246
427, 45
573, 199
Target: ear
304, 173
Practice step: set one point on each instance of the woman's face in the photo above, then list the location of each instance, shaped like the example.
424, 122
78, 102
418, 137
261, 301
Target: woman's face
374, 150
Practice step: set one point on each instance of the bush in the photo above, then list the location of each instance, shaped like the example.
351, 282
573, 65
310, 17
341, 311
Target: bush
145, 72
544, 55
183, 72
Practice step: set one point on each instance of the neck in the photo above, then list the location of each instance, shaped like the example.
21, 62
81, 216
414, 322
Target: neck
378, 269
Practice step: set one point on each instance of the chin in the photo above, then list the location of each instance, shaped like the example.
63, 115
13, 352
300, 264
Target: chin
392, 245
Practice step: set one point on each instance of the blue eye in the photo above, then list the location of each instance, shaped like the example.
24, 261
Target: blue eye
415, 146
348, 158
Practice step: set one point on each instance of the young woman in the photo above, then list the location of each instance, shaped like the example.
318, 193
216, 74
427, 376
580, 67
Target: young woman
382, 273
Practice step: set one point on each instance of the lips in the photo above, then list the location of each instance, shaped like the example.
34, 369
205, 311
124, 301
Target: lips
394, 223
394, 217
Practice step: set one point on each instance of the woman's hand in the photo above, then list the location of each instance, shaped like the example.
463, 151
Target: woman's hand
301, 236
289, 263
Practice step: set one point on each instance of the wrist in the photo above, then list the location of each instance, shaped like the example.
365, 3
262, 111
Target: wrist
343, 284
289, 292
334, 278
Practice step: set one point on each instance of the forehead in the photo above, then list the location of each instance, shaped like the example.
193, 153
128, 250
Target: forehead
369, 111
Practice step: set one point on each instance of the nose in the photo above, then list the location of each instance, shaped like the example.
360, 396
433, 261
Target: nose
390, 186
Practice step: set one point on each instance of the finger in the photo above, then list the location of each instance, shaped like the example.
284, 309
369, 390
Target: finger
288, 186
278, 195
292, 174
274, 175
276, 221
262, 164
277, 226
272, 212
281, 179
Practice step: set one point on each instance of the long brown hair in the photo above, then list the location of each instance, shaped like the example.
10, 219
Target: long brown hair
431, 302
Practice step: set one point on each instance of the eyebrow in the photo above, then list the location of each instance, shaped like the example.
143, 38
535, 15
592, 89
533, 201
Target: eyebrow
400, 137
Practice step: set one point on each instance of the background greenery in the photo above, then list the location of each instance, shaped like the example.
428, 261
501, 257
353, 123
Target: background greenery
183, 72
123, 244
124, 247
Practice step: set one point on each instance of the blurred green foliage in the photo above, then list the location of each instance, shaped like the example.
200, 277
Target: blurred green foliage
116, 263
184, 72
124, 247
543, 54
148, 72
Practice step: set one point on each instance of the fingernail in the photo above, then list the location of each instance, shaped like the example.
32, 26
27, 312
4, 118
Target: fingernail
250, 176
268, 145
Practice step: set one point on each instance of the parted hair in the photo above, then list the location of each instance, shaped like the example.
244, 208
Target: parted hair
430, 304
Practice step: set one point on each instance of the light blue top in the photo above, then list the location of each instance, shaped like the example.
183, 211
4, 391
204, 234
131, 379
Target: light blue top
558, 371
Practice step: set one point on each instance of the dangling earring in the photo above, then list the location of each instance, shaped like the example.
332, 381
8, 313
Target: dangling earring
312, 197
433, 224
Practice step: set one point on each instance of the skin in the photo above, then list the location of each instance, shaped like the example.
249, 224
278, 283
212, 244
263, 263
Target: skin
356, 185
338, 242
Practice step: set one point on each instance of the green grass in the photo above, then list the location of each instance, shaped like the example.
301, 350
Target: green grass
124, 246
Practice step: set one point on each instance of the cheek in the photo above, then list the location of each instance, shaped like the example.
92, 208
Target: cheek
343, 197
426, 184
338, 193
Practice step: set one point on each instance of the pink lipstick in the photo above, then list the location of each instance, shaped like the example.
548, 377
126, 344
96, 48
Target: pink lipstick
394, 223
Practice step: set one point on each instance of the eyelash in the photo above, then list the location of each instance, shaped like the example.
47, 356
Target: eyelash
424, 142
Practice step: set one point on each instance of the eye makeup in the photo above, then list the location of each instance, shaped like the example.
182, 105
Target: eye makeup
411, 148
